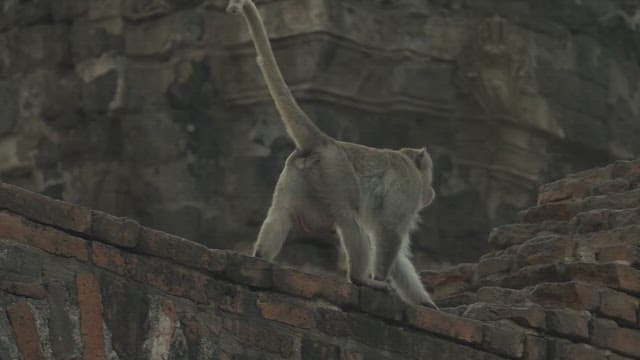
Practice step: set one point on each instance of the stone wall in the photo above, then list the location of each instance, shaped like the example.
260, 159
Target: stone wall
155, 110
563, 284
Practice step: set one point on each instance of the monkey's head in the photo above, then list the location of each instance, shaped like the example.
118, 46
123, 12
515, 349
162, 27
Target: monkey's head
235, 6
422, 160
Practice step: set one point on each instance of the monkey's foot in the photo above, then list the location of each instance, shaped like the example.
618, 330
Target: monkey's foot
376, 284
431, 305
235, 6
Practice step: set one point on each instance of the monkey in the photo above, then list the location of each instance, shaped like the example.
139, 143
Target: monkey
370, 196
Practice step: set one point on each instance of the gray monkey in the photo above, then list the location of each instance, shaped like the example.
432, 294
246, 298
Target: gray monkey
371, 197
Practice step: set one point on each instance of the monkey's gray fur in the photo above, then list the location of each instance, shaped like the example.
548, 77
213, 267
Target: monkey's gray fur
371, 196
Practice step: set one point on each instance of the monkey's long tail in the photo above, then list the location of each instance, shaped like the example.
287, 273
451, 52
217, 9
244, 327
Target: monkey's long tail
305, 134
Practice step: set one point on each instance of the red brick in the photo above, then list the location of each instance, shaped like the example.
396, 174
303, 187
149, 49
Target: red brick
260, 337
333, 289
24, 327
441, 323
53, 241
570, 295
503, 339
607, 334
599, 174
113, 230
619, 305
113, 259
30, 289
90, 305
44, 209
569, 323
285, 310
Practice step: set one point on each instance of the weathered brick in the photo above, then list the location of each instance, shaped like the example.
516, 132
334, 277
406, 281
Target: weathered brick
611, 186
249, 270
51, 240
558, 211
535, 347
619, 305
617, 276
571, 295
24, 327
32, 289
492, 294
534, 274
529, 315
562, 349
607, 334
449, 281
163, 325
231, 298
114, 230
125, 306
494, 265
336, 290
545, 250
61, 335
175, 248
364, 329
217, 261
44, 209
90, 305
625, 254
569, 323
624, 168
314, 350
503, 339
113, 259
173, 279
438, 322
260, 337
286, 310
564, 189
381, 303
504, 236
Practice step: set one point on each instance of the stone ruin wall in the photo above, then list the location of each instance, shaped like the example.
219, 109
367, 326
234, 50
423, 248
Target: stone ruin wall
563, 283
155, 110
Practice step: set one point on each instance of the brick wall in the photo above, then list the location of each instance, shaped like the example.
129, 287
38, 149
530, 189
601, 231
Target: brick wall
77, 283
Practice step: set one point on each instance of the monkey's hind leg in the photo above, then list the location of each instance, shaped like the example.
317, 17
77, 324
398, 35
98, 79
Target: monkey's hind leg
406, 281
278, 223
357, 248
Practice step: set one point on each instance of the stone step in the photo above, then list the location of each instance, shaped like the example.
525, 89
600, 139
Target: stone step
565, 210
618, 177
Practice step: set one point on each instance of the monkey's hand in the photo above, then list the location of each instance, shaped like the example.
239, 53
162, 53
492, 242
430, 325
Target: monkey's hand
235, 6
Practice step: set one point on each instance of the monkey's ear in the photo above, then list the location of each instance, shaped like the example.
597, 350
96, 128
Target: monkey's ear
420, 156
